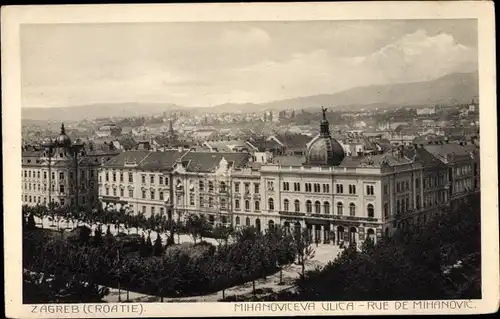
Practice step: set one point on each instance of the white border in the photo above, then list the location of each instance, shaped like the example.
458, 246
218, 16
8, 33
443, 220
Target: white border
13, 16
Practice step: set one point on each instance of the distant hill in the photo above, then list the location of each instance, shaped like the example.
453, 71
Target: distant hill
97, 110
450, 89
454, 88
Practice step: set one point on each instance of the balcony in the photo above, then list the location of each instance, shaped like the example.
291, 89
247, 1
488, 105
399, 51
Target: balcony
256, 196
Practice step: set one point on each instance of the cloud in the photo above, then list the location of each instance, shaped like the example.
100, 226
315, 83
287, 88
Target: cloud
248, 37
201, 65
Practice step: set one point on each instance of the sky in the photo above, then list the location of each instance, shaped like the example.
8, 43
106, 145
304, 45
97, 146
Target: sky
209, 63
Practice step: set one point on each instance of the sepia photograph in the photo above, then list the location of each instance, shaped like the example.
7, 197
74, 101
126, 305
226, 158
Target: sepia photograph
322, 160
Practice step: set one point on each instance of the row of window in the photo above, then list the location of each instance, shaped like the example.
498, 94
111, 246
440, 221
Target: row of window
39, 200
318, 206
465, 169
434, 181
256, 187
28, 174
463, 185
256, 205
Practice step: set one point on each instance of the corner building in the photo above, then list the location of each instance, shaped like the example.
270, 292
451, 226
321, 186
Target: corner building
336, 197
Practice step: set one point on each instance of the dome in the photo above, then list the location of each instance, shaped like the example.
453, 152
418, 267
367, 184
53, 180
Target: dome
63, 140
324, 150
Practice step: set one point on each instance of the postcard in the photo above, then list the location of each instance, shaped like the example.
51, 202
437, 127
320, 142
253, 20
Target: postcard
254, 159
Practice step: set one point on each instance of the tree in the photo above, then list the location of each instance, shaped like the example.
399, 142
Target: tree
196, 226
31, 222
98, 236
304, 249
158, 248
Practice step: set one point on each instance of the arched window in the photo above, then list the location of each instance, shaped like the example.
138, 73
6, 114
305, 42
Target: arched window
326, 207
237, 204
297, 205
309, 206
223, 203
271, 204
352, 209
271, 224
257, 224
210, 186
386, 210
247, 222
340, 208
371, 212
257, 205
286, 205
237, 220
247, 204
317, 207
222, 186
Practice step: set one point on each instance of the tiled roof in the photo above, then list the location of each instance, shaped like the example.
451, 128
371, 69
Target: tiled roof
289, 160
391, 158
441, 151
294, 140
127, 156
208, 161
427, 159
161, 160
263, 144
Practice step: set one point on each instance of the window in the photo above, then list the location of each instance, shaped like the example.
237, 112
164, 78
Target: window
297, 205
130, 193
256, 188
398, 207
144, 209
286, 205
407, 203
38, 174
340, 208
152, 194
25, 174
222, 187
151, 179
247, 222
326, 207
130, 178
152, 210
61, 175
397, 187
247, 205
352, 189
29, 175
371, 212
143, 179
386, 189
352, 209
29, 186
222, 203
201, 186
38, 187
162, 210
210, 186
407, 185
160, 180
53, 187
202, 201
340, 188
107, 190
271, 204
286, 186
143, 194
386, 210
114, 177
236, 187
122, 192
417, 183
114, 191
61, 188
317, 207
308, 206
53, 176
247, 188
257, 206
121, 177
237, 204
308, 187
191, 199
237, 221
326, 188
270, 186
296, 186
418, 201
210, 201
369, 190
161, 195
317, 188
44, 175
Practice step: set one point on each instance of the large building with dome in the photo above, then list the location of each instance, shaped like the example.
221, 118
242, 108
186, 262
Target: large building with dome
60, 171
336, 197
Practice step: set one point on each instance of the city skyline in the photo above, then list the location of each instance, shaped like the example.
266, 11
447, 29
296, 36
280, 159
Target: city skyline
79, 64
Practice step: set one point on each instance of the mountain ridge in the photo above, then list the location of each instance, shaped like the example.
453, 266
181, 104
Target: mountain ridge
455, 88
